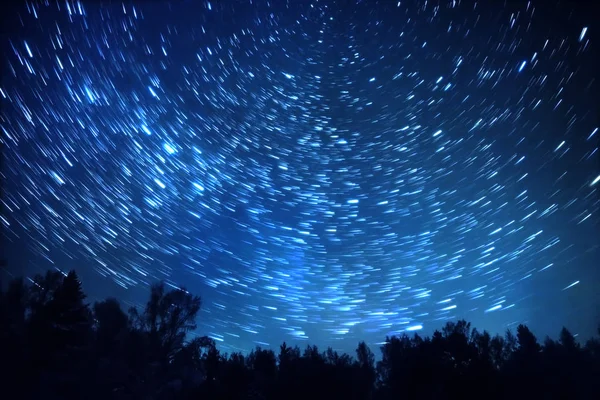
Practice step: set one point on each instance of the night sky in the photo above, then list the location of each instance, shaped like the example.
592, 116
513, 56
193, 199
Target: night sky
319, 172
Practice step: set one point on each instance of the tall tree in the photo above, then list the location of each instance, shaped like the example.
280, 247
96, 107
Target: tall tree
13, 341
166, 319
366, 370
59, 332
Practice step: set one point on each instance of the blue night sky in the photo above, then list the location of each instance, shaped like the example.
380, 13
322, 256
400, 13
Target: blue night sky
319, 172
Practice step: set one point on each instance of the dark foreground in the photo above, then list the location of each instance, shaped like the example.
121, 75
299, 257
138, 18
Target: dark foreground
55, 346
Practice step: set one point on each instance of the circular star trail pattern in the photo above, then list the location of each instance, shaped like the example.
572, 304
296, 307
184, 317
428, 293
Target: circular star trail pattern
322, 171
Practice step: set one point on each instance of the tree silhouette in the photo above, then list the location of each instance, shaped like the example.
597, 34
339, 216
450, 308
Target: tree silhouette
58, 330
13, 341
50, 336
111, 344
167, 318
263, 366
367, 373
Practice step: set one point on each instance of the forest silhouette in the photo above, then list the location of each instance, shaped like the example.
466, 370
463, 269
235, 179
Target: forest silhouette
56, 346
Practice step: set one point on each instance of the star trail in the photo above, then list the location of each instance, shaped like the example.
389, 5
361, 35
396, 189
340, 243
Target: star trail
316, 171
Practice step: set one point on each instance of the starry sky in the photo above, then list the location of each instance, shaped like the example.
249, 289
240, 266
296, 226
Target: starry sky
318, 171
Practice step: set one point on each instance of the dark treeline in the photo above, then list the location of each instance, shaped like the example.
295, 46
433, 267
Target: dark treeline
55, 346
